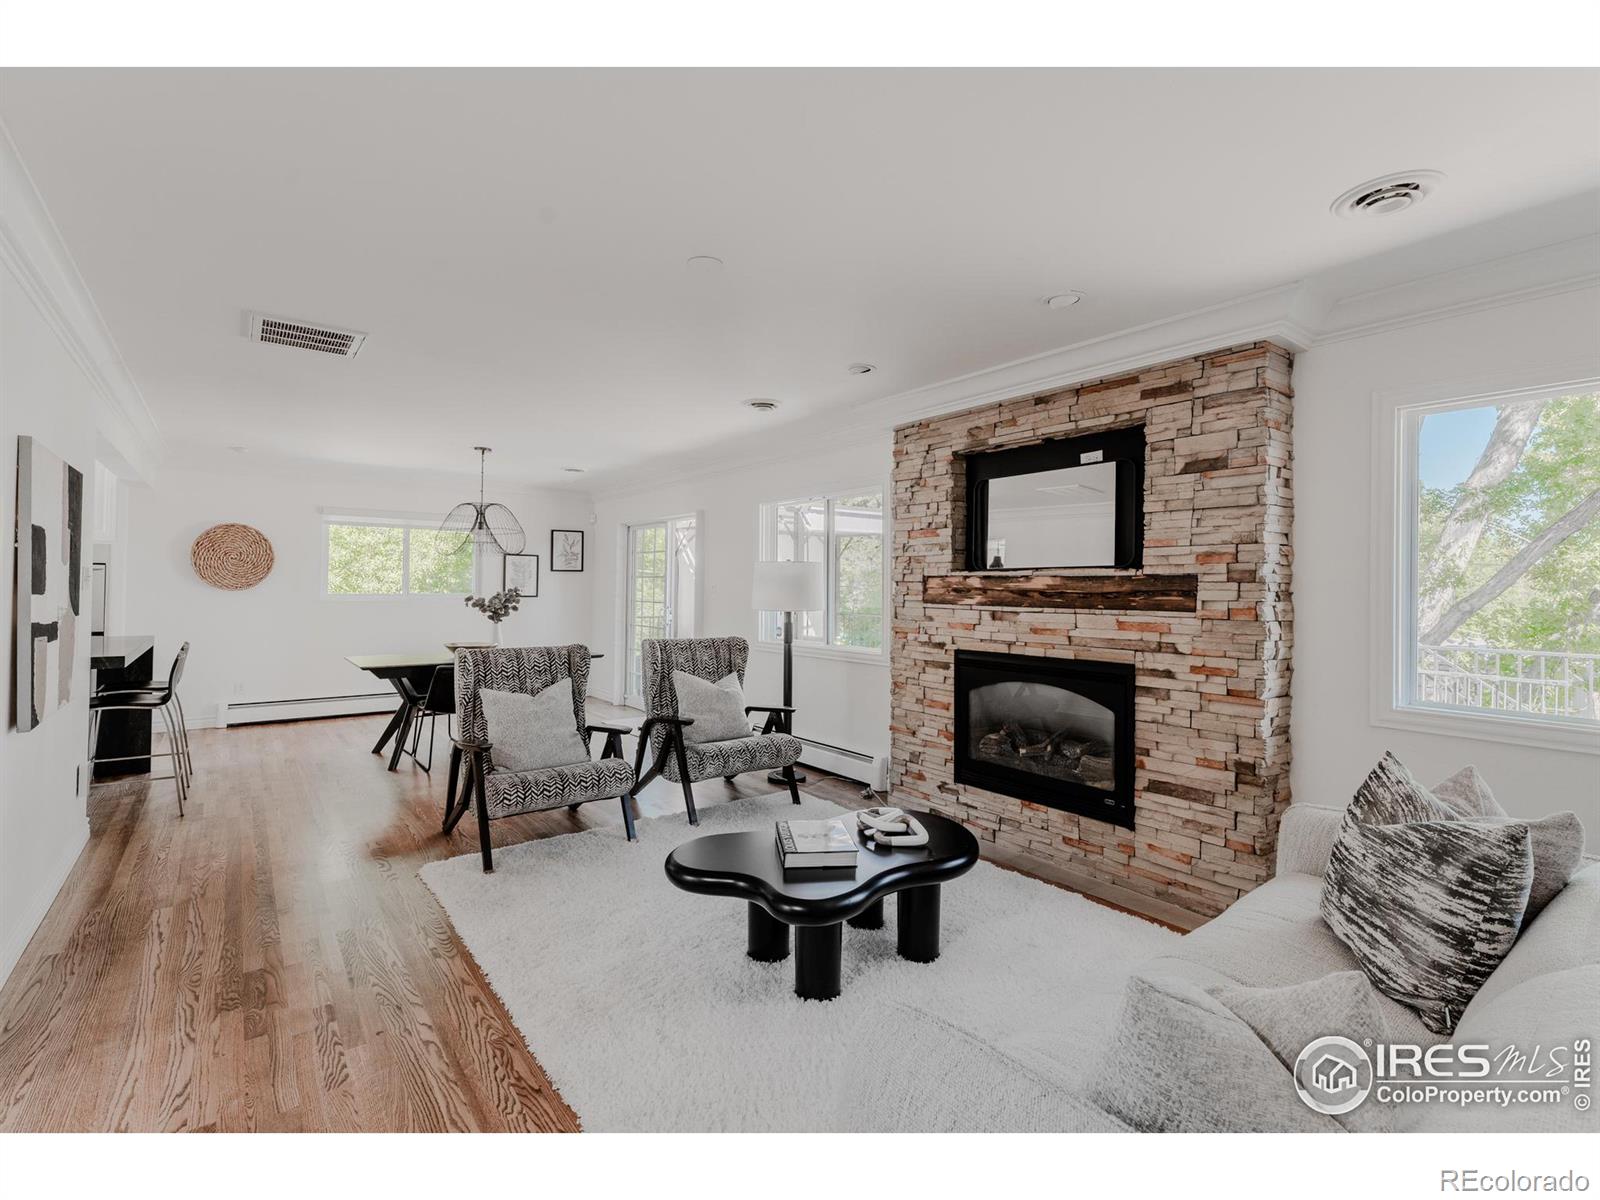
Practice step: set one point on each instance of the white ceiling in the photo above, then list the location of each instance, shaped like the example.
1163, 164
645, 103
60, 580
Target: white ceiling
514, 242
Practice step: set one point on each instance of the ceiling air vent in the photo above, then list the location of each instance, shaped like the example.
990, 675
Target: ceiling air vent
1389, 194
325, 339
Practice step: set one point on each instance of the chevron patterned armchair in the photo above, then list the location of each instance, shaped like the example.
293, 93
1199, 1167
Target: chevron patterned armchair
502, 793
774, 748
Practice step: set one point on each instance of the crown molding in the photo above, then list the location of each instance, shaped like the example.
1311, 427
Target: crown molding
1260, 316
31, 248
1577, 283
1555, 268
1299, 316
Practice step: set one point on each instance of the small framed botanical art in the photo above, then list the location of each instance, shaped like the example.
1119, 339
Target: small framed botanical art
566, 549
520, 571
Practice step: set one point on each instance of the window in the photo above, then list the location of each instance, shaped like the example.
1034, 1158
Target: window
846, 533
1497, 608
373, 556
661, 600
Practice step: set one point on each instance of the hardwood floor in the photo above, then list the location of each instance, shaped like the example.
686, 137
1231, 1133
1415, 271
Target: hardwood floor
271, 961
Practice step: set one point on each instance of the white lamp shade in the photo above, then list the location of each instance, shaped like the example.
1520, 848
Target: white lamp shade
788, 587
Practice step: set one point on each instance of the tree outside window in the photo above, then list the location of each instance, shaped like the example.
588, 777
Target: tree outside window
380, 559
1505, 616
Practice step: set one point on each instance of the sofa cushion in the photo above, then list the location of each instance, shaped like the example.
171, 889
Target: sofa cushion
1306, 836
1557, 840
755, 752
1275, 936
1542, 1015
511, 792
905, 1082
1187, 1061
1565, 935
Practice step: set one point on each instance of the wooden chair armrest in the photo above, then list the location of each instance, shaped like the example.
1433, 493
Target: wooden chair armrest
768, 708
651, 722
607, 727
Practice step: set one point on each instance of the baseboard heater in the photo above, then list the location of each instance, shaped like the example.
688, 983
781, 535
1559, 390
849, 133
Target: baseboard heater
852, 764
252, 712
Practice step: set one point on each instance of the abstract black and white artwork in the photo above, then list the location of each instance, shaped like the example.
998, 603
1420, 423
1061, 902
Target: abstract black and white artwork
49, 580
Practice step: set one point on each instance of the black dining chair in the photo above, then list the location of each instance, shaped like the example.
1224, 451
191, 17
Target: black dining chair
437, 700
159, 696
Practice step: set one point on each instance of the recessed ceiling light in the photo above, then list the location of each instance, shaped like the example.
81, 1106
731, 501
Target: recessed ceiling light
704, 264
861, 368
574, 470
1063, 299
762, 405
1388, 194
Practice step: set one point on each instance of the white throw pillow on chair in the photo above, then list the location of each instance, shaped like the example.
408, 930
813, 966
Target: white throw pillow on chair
717, 708
533, 733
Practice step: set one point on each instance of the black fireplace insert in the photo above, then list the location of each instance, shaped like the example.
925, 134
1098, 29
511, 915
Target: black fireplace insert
1056, 731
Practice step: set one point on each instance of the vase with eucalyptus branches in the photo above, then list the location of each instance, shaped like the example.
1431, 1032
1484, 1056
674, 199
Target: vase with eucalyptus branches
496, 607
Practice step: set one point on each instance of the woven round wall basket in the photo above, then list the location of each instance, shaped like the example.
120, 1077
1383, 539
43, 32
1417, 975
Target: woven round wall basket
233, 557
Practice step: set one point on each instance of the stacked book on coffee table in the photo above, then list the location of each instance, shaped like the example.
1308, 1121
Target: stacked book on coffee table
827, 846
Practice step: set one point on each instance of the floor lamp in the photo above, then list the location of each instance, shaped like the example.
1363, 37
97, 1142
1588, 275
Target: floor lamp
788, 587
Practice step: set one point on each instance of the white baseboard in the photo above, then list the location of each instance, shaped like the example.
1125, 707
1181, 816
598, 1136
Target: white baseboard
255, 711
34, 915
849, 763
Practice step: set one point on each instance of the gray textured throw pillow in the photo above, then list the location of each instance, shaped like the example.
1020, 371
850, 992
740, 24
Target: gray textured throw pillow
1288, 1019
1427, 903
1184, 1060
533, 733
717, 708
1467, 794
1557, 840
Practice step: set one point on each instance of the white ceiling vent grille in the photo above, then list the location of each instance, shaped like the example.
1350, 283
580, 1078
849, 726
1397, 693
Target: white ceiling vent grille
1387, 195
325, 339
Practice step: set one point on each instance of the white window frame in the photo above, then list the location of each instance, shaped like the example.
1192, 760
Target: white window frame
1396, 424
767, 540
394, 520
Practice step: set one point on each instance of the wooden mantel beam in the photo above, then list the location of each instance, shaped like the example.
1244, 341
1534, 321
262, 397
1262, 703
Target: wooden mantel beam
1132, 593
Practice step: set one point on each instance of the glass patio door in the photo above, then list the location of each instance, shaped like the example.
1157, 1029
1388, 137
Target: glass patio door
661, 592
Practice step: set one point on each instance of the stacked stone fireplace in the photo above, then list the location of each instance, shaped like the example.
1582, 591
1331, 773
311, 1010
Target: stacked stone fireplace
1140, 739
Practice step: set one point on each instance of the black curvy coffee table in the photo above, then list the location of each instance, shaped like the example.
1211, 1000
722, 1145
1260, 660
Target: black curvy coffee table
745, 866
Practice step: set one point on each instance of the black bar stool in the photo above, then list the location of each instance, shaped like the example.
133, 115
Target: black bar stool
160, 696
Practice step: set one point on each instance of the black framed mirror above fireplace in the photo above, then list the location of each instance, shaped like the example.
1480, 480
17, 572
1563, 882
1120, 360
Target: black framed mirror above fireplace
1066, 502
1054, 731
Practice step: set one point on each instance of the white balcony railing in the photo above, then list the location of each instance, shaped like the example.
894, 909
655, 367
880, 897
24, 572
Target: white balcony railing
1544, 682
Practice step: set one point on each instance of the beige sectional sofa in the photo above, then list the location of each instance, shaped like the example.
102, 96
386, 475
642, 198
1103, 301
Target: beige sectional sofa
1545, 994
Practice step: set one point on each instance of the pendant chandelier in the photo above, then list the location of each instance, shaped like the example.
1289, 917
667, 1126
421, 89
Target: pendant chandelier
485, 526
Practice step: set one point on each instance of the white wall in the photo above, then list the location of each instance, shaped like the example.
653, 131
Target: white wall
1335, 740
842, 702
42, 823
285, 640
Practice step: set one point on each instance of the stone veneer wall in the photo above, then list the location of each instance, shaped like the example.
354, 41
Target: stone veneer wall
1212, 700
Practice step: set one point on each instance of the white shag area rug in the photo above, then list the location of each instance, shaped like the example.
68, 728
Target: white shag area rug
640, 1004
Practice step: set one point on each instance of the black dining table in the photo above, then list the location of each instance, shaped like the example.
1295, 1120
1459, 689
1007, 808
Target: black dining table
410, 675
